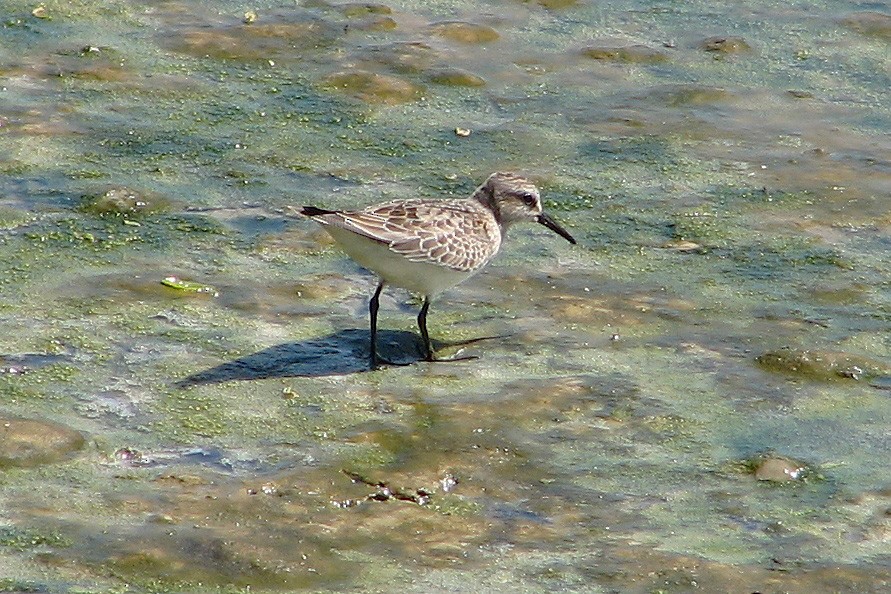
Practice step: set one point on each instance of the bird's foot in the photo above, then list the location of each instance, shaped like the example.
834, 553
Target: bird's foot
381, 362
432, 358
435, 359
464, 343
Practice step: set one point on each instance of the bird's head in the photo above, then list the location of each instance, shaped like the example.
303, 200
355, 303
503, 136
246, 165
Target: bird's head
515, 199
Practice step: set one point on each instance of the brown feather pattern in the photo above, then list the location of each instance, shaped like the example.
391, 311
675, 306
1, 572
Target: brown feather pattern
457, 234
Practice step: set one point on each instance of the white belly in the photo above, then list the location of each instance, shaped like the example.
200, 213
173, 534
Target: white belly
395, 269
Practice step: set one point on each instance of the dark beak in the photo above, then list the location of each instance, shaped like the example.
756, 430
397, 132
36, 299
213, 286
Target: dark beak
555, 227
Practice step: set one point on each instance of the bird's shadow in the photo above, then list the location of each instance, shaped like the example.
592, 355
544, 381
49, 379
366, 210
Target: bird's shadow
342, 353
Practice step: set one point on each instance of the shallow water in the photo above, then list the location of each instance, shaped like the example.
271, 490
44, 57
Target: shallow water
694, 397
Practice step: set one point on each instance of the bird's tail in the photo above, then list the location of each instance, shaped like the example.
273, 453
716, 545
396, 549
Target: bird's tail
312, 211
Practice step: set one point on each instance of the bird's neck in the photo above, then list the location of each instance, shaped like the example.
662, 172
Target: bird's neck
486, 199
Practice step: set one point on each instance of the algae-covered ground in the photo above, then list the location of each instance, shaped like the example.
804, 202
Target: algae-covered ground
693, 398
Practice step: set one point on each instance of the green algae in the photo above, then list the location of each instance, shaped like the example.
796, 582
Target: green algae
13, 585
822, 365
123, 202
626, 372
187, 286
20, 539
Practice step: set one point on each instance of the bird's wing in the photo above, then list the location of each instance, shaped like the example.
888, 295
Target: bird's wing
451, 233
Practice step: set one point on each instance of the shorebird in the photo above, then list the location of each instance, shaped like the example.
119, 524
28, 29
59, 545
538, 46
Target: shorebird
428, 246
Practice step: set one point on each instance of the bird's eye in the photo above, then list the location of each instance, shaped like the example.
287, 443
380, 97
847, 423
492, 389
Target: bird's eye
528, 198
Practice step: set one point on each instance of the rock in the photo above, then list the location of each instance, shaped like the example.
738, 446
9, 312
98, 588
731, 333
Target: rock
464, 32
682, 245
455, 77
682, 95
799, 94
29, 442
124, 201
725, 44
778, 469
374, 24
269, 36
823, 365
373, 87
368, 17
405, 57
635, 54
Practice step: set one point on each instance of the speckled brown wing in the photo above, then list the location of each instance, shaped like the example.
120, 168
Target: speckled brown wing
458, 234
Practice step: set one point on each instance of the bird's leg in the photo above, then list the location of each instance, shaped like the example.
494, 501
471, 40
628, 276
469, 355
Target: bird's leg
428, 348
373, 306
422, 324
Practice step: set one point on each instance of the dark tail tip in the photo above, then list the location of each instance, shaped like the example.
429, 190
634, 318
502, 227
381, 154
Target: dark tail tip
312, 211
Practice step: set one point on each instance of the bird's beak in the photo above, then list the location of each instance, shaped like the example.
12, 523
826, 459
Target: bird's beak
555, 227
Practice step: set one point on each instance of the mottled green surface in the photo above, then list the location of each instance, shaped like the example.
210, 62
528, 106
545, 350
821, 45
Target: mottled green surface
728, 304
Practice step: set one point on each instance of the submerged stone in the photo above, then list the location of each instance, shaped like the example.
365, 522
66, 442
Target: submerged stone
683, 245
367, 17
89, 62
824, 365
725, 44
373, 87
799, 94
556, 4
837, 293
323, 287
124, 201
30, 442
464, 32
455, 77
374, 24
260, 39
409, 57
681, 95
778, 469
873, 24
635, 54
355, 10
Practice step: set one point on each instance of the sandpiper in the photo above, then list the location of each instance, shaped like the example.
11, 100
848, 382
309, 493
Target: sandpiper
428, 246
